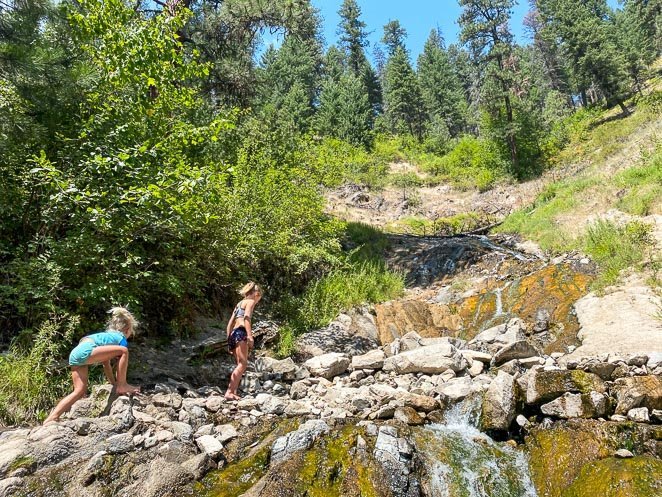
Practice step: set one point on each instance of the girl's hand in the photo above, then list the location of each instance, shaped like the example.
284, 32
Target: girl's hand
250, 341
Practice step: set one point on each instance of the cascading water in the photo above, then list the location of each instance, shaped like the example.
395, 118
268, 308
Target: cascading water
461, 461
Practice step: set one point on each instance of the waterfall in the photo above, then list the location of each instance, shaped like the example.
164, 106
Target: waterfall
461, 461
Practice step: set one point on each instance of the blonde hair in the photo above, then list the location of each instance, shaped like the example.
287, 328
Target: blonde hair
249, 288
122, 320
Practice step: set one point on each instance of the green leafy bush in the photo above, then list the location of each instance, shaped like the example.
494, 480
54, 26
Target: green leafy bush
31, 379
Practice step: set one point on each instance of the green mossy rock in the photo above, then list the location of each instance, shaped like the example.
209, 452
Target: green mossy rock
636, 477
559, 455
545, 386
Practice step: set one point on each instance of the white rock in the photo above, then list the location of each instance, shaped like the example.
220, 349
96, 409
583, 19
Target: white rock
209, 445
328, 365
639, 415
431, 359
372, 360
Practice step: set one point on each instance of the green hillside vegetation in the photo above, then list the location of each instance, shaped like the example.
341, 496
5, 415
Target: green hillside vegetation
559, 219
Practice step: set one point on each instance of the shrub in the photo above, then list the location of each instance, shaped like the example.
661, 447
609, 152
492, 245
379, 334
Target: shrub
30, 380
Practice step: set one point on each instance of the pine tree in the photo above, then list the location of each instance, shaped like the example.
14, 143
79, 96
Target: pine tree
402, 96
440, 86
344, 110
484, 26
588, 38
353, 35
289, 79
394, 37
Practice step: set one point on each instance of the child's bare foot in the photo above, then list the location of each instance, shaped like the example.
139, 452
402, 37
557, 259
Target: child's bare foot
50, 421
126, 389
231, 396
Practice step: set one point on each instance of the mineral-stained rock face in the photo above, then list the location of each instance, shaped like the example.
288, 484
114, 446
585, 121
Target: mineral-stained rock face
576, 405
544, 386
638, 391
561, 458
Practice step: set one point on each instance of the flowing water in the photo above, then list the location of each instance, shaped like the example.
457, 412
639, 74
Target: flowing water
461, 461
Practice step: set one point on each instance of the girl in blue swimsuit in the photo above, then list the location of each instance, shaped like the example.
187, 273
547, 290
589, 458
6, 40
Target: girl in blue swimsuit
240, 336
100, 348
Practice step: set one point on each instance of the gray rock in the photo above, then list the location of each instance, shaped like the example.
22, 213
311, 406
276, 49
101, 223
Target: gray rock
541, 321
225, 432
299, 389
545, 386
503, 334
11, 486
499, 403
327, 365
432, 359
93, 468
163, 479
181, 431
476, 368
638, 391
285, 368
456, 389
372, 360
214, 403
520, 349
475, 355
120, 443
577, 405
199, 465
173, 400
301, 439
270, 404
395, 454
639, 415
10, 452
209, 445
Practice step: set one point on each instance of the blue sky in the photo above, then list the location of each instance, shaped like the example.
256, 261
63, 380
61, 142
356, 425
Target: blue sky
418, 17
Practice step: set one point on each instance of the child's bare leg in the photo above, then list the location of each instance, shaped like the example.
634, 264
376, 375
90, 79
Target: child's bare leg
241, 354
105, 352
79, 376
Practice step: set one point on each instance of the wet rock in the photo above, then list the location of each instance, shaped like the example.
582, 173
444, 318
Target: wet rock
544, 386
328, 365
503, 334
541, 321
395, 455
639, 415
569, 405
499, 403
209, 445
456, 389
408, 416
301, 439
638, 391
372, 360
432, 359
93, 468
520, 349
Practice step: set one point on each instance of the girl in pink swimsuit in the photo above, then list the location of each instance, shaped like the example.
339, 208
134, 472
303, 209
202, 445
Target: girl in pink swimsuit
240, 335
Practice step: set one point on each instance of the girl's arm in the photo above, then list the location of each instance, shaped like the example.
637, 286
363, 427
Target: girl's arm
247, 322
108, 371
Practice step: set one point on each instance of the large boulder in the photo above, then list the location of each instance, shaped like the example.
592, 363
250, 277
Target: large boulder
432, 359
577, 405
503, 334
520, 349
638, 391
544, 386
328, 365
285, 368
499, 403
372, 360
